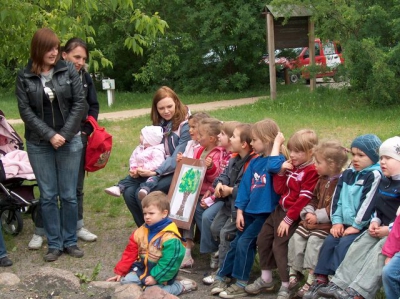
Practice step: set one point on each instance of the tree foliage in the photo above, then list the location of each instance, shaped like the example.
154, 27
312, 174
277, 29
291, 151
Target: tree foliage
190, 181
68, 18
369, 32
210, 46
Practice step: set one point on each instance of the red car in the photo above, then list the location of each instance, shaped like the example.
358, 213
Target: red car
328, 56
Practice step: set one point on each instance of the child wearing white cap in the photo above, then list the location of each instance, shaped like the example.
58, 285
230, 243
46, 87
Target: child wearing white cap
148, 155
359, 275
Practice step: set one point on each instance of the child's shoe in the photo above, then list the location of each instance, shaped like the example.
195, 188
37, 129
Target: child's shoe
259, 285
348, 293
188, 285
234, 291
208, 280
113, 191
142, 193
187, 262
219, 286
294, 280
214, 260
312, 293
283, 293
304, 289
329, 291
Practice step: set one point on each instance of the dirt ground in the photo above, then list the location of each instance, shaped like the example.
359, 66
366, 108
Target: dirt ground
112, 239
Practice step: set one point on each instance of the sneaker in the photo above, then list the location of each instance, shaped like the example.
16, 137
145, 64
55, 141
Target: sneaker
187, 262
86, 235
142, 193
208, 280
329, 291
74, 251
52, 255
259, 285
304, 289
234, 291
219, 286
214, 261
348, 293
312, 292
113, 191
188, 285
5, 262
36, 242
283, 293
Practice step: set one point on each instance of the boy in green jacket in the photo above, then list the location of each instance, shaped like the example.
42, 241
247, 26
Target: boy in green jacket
155, 250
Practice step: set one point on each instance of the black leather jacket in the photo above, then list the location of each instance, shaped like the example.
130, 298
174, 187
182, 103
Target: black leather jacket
68, 88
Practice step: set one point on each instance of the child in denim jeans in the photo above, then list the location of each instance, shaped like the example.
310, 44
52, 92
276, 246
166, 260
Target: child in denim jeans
255, 200
155, 250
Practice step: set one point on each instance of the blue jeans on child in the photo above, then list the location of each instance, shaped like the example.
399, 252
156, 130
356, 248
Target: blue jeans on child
204, 218
56, 173
391, 277
240, 257
175, 289
332, 253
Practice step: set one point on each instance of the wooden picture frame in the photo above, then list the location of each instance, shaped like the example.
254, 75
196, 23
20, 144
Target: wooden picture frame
185, 190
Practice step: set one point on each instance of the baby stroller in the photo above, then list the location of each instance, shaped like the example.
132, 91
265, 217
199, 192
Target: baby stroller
16, 192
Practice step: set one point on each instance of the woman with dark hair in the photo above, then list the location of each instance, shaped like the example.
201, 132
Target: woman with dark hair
52, 105
76, 51
167, 111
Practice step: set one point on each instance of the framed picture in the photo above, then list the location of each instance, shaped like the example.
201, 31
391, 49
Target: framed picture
185, 190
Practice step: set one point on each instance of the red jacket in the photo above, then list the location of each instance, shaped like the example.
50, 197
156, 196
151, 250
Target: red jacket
217, 154
392, 244
296, 188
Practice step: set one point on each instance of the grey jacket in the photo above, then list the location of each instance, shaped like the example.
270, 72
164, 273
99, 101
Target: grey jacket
70, 95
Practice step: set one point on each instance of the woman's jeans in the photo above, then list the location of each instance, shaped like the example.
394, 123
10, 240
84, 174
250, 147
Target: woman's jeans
39, 229
3, 251
175, 289
131, 190
56, 173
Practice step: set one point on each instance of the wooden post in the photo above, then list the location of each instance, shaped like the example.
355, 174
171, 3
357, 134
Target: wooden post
311, 48
271, 55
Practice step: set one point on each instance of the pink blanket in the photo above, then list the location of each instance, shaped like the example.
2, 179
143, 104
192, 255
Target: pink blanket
16, 164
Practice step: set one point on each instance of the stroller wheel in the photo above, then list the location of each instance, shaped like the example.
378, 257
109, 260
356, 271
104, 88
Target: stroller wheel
11, 221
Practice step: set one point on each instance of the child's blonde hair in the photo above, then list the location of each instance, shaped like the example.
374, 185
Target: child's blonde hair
211, 125
266, 130
303, 141
198, 116
229, 126
158, 199
333, 153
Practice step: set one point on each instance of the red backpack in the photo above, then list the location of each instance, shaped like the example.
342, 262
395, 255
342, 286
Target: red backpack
99, 147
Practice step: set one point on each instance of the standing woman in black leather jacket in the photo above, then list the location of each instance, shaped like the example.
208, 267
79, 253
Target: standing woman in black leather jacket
51, 103
75, 51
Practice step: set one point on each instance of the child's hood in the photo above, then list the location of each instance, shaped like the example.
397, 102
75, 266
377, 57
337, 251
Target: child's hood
172, 228
372, 167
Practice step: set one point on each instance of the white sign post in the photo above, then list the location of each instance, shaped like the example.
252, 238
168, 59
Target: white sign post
109, 85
